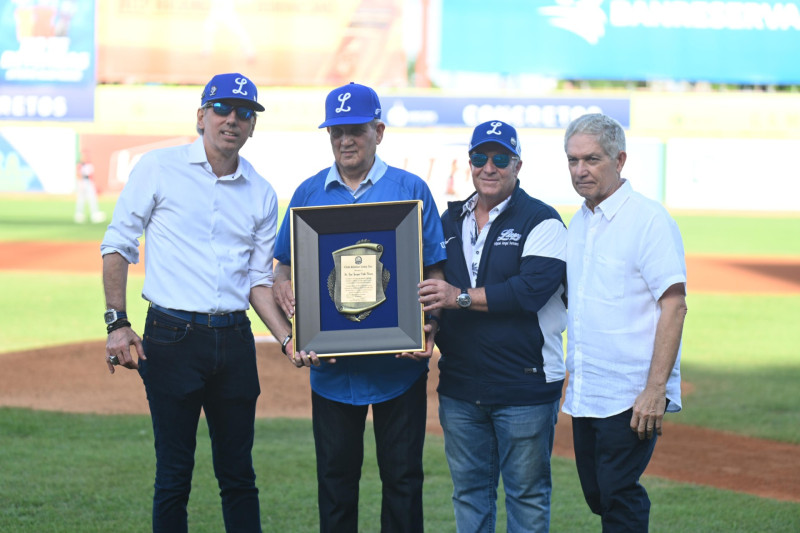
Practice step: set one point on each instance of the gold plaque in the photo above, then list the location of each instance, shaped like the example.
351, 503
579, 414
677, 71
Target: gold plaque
358, 281
343, 325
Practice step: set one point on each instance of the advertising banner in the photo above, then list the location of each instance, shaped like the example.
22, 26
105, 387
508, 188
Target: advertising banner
274, 42
717, 41
47, 68
545, 112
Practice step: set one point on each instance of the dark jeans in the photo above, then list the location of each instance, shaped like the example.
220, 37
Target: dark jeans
189, 367
610, 460
399, 437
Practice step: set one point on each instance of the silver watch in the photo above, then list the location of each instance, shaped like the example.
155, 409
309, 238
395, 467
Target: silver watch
112, 315
463, 300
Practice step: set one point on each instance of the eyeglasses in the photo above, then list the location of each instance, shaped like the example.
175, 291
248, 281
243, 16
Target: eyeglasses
499, 160
353, 130
222, 109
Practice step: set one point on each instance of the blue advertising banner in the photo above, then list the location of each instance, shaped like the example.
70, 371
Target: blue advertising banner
47, 60
719, 41
425, 111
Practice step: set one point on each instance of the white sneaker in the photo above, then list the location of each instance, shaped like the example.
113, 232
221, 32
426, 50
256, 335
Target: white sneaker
80, 218
98, 216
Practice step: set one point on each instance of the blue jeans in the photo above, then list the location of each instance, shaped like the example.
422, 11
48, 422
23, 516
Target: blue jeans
189, 367
610, 460
399, 438
482, 442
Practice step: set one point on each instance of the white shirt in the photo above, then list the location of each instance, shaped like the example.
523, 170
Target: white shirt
208, 239
473, 239
620, 261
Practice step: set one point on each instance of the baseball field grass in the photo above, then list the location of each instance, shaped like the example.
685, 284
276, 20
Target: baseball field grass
91, 473
85, 473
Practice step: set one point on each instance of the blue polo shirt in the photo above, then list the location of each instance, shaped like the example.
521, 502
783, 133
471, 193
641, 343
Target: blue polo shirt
363, 380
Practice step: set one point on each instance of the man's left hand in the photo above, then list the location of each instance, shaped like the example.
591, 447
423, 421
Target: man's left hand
648, 413
428, 353
301, 358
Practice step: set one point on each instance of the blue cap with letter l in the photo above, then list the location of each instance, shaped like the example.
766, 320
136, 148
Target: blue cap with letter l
351, 104
496, 131
233, 86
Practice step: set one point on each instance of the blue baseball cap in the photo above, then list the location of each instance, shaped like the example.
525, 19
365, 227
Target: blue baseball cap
233, 86
496, 131
351, 104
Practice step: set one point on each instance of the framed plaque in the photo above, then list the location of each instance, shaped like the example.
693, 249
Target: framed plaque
355, 270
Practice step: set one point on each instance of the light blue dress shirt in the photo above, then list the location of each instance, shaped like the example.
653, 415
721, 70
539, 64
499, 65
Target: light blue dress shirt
363, 380
208, 239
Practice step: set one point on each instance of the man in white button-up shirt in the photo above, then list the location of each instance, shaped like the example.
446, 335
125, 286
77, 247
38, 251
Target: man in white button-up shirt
626, 277
210, 221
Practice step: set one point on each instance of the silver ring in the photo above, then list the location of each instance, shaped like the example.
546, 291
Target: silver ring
113, 359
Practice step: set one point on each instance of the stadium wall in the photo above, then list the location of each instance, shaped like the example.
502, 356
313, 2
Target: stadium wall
716, 151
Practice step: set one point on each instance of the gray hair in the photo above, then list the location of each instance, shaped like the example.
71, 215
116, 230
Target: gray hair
200, 130
609, 133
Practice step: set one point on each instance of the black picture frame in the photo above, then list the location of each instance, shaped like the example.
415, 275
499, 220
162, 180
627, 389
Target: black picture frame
396, 325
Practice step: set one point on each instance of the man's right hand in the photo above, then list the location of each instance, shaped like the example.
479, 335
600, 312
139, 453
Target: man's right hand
119, 344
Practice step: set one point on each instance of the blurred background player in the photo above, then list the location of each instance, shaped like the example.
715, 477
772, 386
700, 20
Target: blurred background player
86, 193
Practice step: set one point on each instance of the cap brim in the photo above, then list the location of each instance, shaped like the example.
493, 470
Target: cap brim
495, 141
346, 120
247, 103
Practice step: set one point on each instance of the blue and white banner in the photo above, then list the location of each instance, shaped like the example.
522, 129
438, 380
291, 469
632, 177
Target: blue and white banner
546, 113
47, 60
720, 41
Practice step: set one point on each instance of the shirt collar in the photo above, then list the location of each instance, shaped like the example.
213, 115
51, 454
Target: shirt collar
469, 204
197, 155
611, 205
472, 201
375, 173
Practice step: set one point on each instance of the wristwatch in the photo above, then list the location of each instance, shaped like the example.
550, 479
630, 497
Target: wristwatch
112, 315
285, 342
463, 300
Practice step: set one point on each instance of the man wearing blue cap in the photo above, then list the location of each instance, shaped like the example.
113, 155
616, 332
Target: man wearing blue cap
343, 390
210, 221
502, 314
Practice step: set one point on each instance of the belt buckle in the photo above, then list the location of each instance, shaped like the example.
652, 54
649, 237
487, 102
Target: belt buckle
212, 323
212, 316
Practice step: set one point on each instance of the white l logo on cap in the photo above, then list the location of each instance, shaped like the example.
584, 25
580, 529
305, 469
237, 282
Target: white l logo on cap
343, 98
494, 130
241, 82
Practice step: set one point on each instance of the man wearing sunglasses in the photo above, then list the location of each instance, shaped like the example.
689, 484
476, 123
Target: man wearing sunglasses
344, 389
210, 221
502, 364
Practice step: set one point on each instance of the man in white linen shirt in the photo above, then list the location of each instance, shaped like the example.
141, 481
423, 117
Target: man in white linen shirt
210, 221
626, 278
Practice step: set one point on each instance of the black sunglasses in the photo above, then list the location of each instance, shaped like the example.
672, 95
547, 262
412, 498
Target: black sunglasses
222, 109
499, 160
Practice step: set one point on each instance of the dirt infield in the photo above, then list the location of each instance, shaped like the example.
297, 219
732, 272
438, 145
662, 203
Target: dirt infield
74, 378
706, 273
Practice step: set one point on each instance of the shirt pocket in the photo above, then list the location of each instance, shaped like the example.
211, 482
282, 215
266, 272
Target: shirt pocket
609, 277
